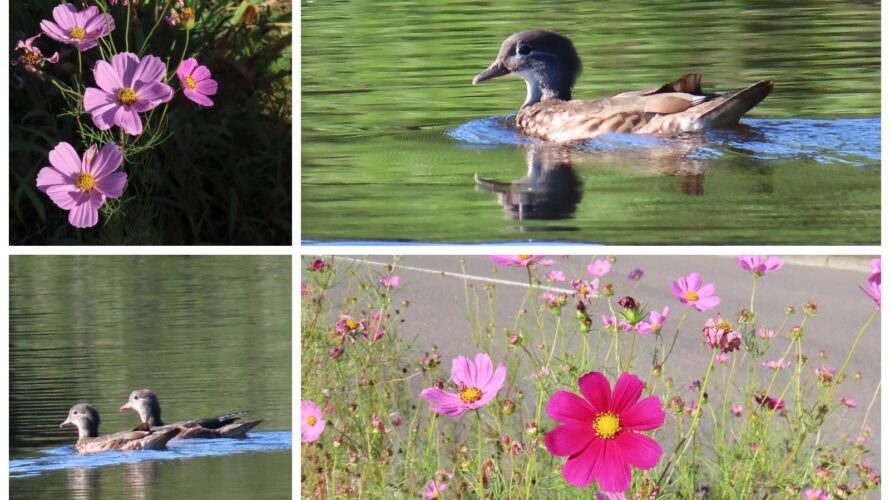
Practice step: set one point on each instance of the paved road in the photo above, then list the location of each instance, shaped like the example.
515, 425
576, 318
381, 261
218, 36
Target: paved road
438, 311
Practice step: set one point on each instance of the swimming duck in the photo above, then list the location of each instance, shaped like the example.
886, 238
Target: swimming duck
146, 404
549, 64
86, 419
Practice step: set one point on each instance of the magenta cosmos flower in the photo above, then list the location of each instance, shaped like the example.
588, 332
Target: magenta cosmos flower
873, 292
478, 383
600, 267
875, 268
692, 294
597, 431
81, 185
196, 82
514, 260
83, 29
311, 421
758, 265
127, 87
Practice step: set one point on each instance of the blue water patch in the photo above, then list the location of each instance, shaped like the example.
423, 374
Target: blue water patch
65, 457
855, 141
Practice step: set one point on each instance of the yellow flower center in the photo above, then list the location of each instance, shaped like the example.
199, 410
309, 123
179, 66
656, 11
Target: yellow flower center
85, 182
78, 33
351, 324
606, 425
525, 257
583, 290
311, 420
470, 394
190, 82
187, 14
126, 95
691, 296
32, 58
724, 325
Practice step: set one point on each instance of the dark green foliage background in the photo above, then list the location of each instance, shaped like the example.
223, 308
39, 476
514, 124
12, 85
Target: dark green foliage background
224, 174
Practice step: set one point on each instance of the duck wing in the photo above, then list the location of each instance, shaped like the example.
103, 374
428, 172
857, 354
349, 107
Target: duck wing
126, 441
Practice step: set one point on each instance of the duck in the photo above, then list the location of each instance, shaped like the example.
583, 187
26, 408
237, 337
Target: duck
86, 418
550, 66
146, 404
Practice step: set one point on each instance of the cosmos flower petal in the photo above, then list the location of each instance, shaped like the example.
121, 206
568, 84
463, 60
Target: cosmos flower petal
582, 469
112, 185
613, 474
125, 64
65, 196
106, 77
197, 97
207, 87
54, 31
107, 160
627, 391
65, 159
150, 69
65, 15
83, 214
568, 407
645, 415
186, 67
707, 303
693, 281
569, 439
640, 451
128, 120
463, 371
595, 388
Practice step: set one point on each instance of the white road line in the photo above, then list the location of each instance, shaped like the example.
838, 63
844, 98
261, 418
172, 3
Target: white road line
520, 284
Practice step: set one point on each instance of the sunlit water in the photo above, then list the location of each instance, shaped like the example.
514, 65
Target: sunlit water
398, 146
210, 335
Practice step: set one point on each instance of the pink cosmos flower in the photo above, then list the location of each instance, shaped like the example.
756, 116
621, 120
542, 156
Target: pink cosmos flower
390, 282
758, 265
654, 323
692, 294
127, 87
635, 275
737, 410
32, 58
557, 276
849, 402
613, 322
584, 289
873, 292
435, 487
311, 421
765, 333
514, 260
547, 262
771, 402
875, 270
610, 496
83, 29
597, 431
724, 358
196, 82
600, 267
817, 494
776, 364
478, 383
719, 333
81, 186
825, 374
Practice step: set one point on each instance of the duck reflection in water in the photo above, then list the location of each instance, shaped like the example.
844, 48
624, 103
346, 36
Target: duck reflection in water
84, 483
552, 188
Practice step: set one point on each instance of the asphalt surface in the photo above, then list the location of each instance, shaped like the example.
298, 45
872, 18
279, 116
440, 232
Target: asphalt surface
436, 286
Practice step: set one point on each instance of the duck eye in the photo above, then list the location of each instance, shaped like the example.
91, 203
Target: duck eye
524, 50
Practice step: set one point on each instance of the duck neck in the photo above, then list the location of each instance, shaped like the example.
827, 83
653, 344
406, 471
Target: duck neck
87, 429
154, 416
544, 87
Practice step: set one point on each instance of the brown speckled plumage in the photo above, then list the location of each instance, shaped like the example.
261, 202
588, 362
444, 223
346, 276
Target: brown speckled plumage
86, 419
549, 64
146, 404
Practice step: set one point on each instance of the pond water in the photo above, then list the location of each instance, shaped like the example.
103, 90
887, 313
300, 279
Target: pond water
397, 145
208, 334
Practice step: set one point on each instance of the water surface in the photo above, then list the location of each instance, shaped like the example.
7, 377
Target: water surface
394, 135
208, 334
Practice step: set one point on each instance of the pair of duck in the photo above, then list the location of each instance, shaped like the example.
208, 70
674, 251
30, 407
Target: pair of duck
549, 64
152, 433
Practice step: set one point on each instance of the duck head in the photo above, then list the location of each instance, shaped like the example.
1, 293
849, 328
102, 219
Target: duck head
546, 60
146, 404
85, 418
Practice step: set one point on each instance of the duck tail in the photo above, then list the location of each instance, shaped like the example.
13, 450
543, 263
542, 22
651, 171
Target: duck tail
158, 439
736, 105
238, 430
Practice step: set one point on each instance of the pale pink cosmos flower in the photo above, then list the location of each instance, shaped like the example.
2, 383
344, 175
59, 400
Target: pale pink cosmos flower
514, 260
599, 268
719, 333
32, 58
547, 262
390, 282
478, 383
600, 432
737, 410
654, 322
776, 364
196, 82
128, 86
436, 487
758, 265
849, 402
81, 185
765, 333
311, 421
585, 289
817, 494
692, 293
557, 276
724, 358
83, 29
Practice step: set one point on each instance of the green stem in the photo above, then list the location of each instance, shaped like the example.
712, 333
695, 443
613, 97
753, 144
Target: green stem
840, 372
630, 352
127, 30
153, 28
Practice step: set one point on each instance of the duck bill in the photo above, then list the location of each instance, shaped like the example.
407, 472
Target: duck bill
127, 407
66, 423
496, 69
